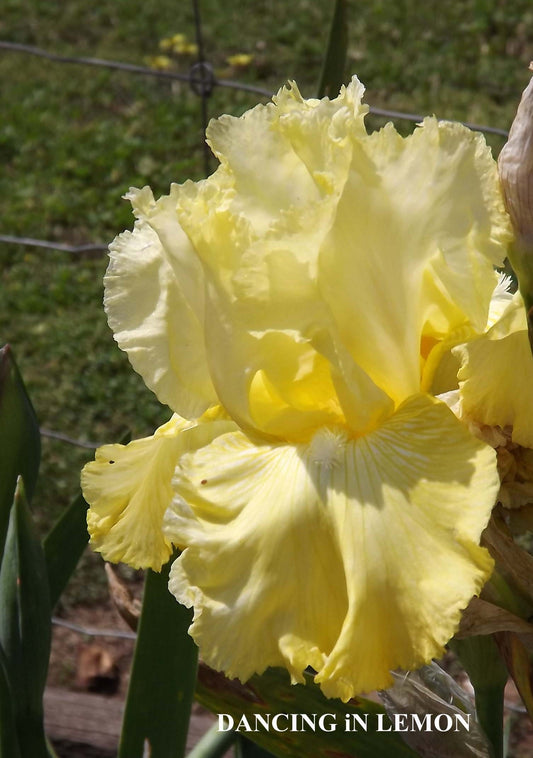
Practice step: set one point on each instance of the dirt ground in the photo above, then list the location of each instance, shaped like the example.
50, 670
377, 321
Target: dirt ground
101, 664
71, 660
92, 671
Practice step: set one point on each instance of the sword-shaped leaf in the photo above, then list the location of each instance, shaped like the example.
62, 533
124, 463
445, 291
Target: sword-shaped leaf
332, 76
163, 676
8, 733
20, 442
272, 693
64, 545
25, 625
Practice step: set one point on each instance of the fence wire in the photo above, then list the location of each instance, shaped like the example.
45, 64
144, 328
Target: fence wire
202, 80
49, 245
61, 437
93, 631
195, 78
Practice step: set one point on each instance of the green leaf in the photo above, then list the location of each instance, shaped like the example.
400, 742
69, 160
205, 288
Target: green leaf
64, 545
483, 664
272, 693
163, 676
66, 541
8, 733
20, 440
246, 749
332, 76
214, 744
25, 625
51, 752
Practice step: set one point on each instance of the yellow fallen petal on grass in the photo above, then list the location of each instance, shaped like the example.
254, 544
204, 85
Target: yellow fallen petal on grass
159, 62
240, 60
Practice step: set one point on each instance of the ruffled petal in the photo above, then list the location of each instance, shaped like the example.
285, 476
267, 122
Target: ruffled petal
496, 375
128, 488
440, 363
257, 229
154, 299
303, 155
295, 555
377, 241
419, 225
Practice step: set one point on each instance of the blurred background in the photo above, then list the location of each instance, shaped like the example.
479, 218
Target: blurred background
74, 138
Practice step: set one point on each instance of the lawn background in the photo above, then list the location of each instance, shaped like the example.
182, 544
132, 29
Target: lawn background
73, 139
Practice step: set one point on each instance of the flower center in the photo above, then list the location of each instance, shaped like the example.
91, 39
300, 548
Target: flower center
327, 446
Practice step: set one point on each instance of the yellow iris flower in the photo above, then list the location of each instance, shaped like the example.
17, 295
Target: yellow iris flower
299, 312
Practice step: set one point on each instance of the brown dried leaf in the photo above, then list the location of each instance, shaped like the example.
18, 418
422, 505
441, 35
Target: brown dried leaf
519, 665
97, 670
128, 606
510, 557
482, 617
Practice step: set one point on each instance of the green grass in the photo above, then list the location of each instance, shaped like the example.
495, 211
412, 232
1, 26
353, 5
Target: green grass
73, 139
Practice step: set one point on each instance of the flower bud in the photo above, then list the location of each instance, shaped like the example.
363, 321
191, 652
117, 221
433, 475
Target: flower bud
516, 173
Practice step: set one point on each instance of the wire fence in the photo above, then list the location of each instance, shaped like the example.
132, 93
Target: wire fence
61, 437
202, 80
91, 631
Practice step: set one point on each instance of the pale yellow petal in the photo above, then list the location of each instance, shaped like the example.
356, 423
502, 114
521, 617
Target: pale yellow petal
154, 299
377, 241
351, 556
128, 488
434, 488
496, 376
500, 300
271, 342
272, 345
284, 155
259, 257
322, 132
439, 362
419, 225
256, 289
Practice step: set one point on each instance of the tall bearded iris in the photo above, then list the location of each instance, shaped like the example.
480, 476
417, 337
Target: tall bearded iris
298, 312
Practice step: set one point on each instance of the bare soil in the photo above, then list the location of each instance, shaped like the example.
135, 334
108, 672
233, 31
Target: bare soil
71, 648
